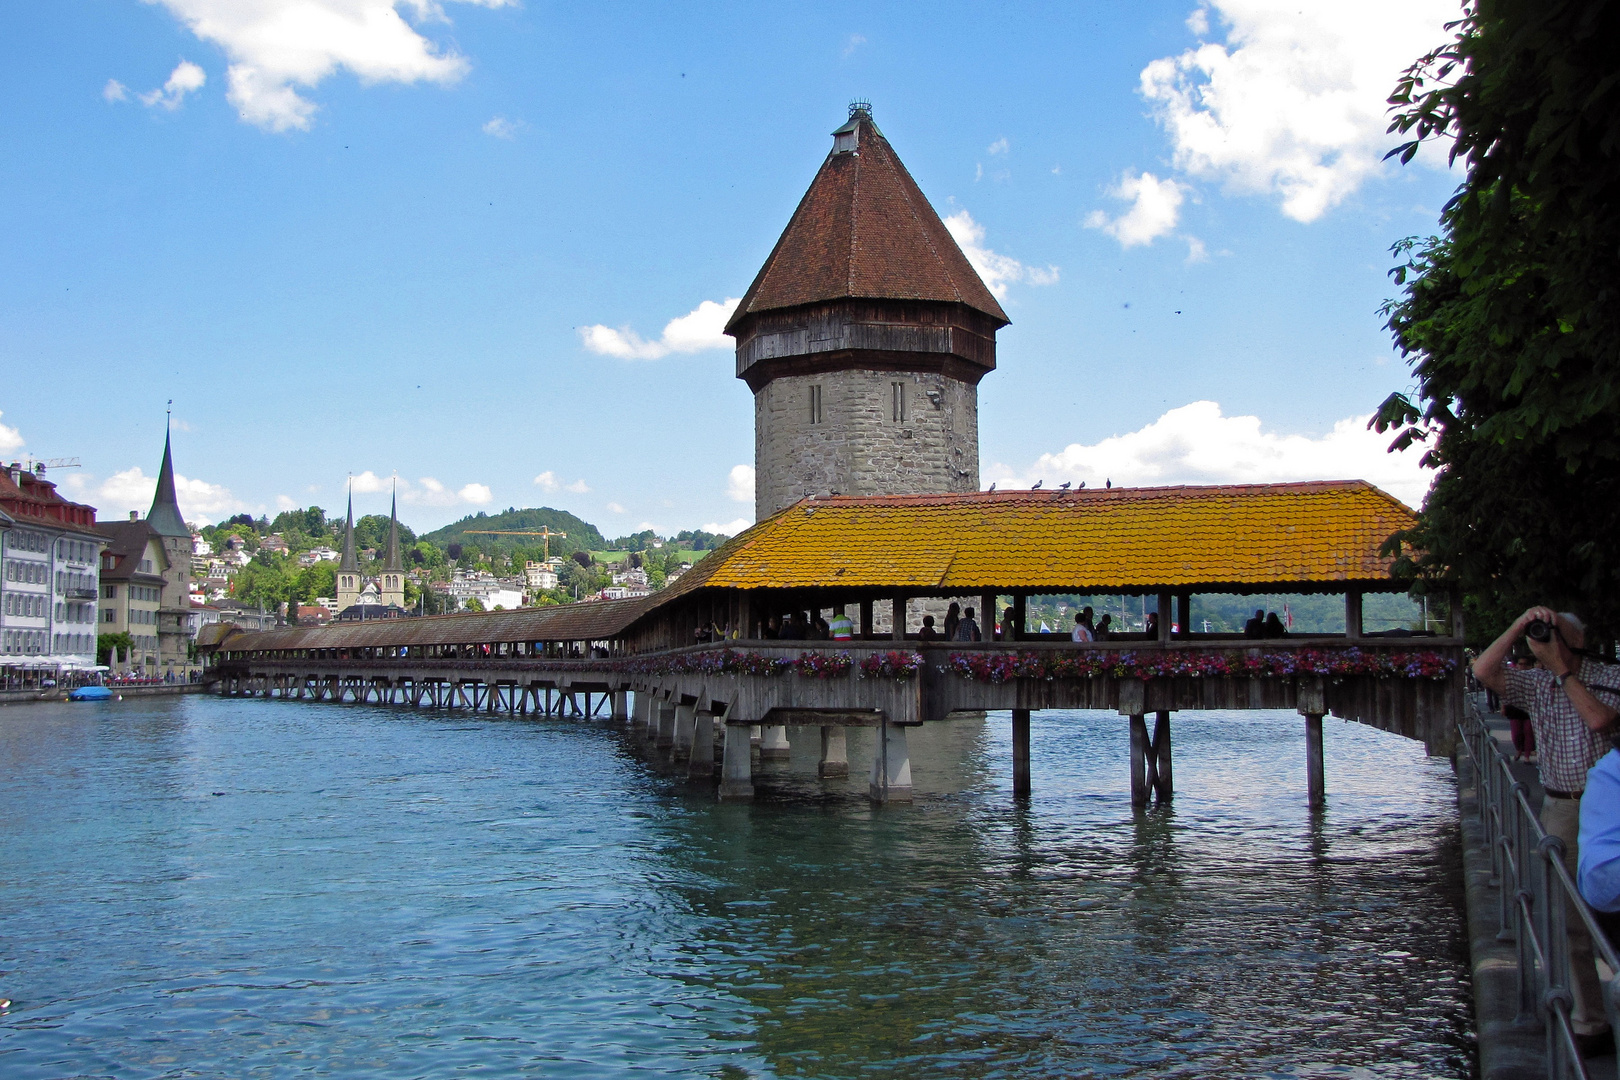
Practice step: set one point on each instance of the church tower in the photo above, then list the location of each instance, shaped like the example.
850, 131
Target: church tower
393, 572
174, 610
348, 571
864, 337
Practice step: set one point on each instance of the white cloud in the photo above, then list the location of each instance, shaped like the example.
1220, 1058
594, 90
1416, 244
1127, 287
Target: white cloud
615, 508
998, 271
1000, 146
853, 42
727, 528
425, 493
284, 502
278, 47
10, 438
1293, 103
699, 329
502, 128
740, 484
114, 91
368, 482
132, 489
548, 482
1155, 209
186, 78
1195, 444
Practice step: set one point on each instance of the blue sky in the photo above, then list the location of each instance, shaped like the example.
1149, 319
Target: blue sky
446, 239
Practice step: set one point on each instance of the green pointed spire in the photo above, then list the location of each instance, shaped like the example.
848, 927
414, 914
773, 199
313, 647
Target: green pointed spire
165, 517
391, 560
349, 561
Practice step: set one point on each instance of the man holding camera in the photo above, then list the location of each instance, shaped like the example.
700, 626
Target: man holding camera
1571, 711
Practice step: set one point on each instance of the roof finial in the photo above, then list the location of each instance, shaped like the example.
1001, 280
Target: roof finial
860, 107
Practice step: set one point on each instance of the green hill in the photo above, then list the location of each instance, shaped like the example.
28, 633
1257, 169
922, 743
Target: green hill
582, 536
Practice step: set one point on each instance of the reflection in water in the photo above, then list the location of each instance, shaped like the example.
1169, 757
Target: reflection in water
233, 887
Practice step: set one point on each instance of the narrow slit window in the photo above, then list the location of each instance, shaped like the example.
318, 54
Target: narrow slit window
815, 404
899, 389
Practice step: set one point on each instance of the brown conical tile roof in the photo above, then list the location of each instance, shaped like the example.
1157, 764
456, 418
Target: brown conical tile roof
865, 230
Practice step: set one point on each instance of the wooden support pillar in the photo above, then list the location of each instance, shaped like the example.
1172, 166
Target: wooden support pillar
1139, 752
737, 766
897, 628
1315, 784
620, 714
1164, 784
685, 721
666, 725
1184, 613
891, 765
987, 615
866, 618
773, 743
700, 762
1352, 615
834, 751
1164, 616
1020, 750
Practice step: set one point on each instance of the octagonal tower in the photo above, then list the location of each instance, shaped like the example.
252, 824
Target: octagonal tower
864, 337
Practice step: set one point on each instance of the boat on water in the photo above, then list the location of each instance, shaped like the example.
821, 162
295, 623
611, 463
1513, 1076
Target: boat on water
90, 693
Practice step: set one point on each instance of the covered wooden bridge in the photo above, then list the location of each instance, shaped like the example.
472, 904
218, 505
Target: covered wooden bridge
711, 687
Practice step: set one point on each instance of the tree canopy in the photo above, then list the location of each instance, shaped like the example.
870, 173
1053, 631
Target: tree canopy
1509, 316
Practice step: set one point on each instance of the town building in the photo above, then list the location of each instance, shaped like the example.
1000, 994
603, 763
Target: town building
133, 567
539, 576
317, 555
49, 548
864, 337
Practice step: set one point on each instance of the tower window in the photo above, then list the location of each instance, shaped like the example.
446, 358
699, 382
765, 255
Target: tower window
815, 404
899, 406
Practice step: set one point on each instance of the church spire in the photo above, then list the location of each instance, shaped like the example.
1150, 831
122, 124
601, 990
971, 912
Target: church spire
349, 562
391, 560
164, 517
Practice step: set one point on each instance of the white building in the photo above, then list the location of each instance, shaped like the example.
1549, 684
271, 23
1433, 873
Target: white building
318, 554
489, 590
49, 552
539, 575
635, 577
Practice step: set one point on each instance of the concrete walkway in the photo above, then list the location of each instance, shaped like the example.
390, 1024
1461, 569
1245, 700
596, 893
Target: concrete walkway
1507, 1050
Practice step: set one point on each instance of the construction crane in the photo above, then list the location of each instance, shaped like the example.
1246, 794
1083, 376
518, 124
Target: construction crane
544, 531
40, 465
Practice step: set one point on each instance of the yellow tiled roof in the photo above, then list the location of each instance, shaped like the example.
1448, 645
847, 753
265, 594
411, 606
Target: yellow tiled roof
1321, 534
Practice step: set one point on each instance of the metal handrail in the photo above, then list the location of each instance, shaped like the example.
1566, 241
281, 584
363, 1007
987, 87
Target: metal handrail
1536, 893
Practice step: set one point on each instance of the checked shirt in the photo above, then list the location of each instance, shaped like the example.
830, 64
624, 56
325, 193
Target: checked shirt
1565, 747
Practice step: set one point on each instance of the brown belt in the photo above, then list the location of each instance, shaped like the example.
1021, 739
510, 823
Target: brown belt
1550, 793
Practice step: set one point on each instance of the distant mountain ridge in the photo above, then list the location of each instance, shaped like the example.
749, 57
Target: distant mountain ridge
582, 535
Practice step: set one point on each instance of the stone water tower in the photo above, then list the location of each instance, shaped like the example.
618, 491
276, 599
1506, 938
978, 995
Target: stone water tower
864, 337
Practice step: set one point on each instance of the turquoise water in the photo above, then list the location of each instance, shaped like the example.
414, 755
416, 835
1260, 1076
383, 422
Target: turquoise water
228, 887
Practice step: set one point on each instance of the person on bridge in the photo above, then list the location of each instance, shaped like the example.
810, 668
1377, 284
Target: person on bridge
1572, 704
928, 633
1082, 628
968, 628
842, 627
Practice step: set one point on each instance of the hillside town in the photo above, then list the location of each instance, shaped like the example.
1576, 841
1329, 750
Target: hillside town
82, 598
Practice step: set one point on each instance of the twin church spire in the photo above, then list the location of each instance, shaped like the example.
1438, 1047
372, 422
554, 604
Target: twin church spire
387, 589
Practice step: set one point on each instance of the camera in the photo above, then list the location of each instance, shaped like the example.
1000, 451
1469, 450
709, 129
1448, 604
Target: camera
1537, 630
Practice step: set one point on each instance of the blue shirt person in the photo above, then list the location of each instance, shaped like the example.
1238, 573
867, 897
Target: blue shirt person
1598, 872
